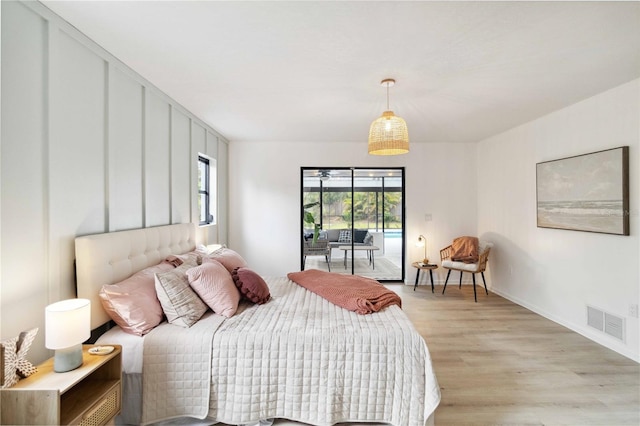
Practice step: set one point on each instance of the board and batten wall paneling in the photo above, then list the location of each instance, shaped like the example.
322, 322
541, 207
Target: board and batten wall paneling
198, 140
76, 154
223, 194
24, 163
198, 146
211, 149
125, 152
157, 148
88, 146
180, 167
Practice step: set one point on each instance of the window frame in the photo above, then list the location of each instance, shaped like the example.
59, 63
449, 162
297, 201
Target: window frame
209, 217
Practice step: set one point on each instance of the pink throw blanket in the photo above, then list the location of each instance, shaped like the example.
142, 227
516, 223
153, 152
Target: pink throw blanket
352, 292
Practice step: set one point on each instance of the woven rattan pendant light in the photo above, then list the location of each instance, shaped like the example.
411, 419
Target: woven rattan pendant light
388, 134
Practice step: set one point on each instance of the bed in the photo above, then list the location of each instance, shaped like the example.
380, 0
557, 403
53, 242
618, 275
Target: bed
297, 357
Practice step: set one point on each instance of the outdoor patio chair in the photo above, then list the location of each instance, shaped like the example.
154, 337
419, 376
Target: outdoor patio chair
318, 248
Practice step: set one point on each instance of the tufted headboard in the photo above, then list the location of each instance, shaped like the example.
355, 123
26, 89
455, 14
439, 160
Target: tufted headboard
109, 258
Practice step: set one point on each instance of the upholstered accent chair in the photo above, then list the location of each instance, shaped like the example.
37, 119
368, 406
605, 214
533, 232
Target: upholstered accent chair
317, 248
484, 247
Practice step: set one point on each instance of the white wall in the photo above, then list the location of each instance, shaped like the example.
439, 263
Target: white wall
264, 220
88, 146
556, 273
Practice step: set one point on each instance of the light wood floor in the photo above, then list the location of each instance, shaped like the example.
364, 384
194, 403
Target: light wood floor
498, 363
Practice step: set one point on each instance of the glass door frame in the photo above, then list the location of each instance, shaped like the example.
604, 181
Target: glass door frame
353, 178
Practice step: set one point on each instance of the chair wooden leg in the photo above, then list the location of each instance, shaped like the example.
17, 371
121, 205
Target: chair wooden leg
328, 263
485, 283
304, 261
474, 287
445, 281
460, 286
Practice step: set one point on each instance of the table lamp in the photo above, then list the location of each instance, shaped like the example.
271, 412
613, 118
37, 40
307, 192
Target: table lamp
422, 242
67, 325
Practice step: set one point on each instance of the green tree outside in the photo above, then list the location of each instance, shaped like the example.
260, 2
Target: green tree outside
337, 208
364, 204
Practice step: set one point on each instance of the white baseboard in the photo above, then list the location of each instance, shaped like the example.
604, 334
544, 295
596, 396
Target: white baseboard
601, 339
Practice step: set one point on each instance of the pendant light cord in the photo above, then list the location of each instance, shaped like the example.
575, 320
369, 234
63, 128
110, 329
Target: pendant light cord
387, 96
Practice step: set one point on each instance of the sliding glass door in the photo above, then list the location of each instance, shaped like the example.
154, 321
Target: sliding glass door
353, 221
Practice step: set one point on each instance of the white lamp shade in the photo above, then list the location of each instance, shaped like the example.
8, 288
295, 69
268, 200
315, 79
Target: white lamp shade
67, 323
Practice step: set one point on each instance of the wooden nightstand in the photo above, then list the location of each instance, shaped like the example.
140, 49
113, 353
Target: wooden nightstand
88, 395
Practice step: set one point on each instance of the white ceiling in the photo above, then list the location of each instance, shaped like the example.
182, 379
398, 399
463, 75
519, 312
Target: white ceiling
310, 71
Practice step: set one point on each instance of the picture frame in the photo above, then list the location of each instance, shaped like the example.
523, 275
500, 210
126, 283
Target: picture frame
588, 192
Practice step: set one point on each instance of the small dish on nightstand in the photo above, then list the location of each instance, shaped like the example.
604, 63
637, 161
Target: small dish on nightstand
101, 350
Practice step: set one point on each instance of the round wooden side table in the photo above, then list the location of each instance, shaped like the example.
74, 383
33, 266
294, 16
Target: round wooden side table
421, 267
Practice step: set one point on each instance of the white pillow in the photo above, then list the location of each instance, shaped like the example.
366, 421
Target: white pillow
180, 303
483, 245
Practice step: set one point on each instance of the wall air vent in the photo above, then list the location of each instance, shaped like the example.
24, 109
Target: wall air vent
614, 326
610, 324
595, 318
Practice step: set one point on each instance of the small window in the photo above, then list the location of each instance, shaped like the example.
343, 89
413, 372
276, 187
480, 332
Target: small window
206, 190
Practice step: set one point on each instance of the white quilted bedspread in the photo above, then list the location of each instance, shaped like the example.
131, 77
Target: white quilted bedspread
175, 376
301, 358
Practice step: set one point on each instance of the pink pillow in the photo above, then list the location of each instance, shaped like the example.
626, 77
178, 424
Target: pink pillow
251, 285
193, 258
133, 303
229, 259
215, 287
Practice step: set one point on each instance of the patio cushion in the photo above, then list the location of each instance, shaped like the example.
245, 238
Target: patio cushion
332, 234
345, 236
359, 235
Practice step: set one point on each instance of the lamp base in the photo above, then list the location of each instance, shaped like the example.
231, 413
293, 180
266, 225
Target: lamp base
67, 359
425, 261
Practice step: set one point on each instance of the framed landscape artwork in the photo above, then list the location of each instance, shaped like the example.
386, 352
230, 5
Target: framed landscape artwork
587, 192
